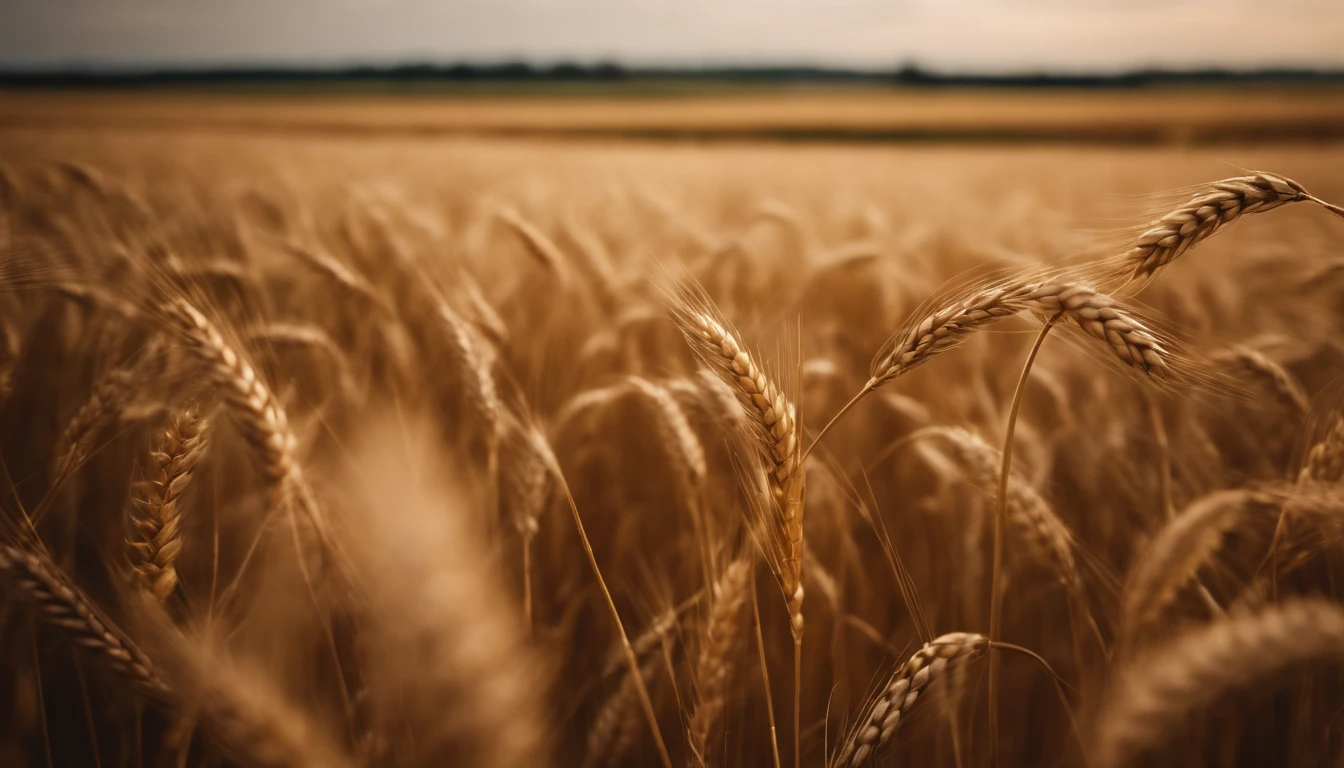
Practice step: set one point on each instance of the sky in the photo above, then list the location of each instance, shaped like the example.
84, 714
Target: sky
965, 35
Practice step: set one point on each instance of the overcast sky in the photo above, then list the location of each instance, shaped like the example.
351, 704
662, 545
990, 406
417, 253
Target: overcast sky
951, 34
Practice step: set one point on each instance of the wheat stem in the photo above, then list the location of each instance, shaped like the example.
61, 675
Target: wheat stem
1000, 530
765, 673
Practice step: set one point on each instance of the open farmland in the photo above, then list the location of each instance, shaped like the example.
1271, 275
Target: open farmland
335, 436
1178, 115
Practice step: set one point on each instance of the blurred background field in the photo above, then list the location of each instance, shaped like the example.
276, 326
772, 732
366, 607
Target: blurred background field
1166, 115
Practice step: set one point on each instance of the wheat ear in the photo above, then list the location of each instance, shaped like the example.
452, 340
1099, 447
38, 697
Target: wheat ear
538, 245
1180, 549
338, 272
778, 441
1206, 212
109, 395
688, 454
1254, 364
775, 422
1154, 694
951, 323
1096, 313
486, 317
879, 721
476, 373
714, 661
61, 603
481, 391
1038, 527
156, 514
260, 416
1324, 460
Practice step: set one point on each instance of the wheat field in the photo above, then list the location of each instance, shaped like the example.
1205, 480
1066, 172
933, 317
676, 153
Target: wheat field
383, 450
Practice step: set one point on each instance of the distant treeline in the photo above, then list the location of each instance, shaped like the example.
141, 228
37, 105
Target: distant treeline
515, 72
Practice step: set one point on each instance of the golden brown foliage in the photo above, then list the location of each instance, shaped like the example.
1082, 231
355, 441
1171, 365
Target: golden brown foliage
426, 361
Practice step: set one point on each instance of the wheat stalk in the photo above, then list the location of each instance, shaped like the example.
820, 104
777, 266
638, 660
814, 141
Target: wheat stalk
1096, 313
538, 245
1285, 387
108, 396
1324, 460
61, 603
893, 703
1206, 212
1178, 551
774, 420
714, 662
543, 451
1154, 694
306, 337
683, 445
778, 441
259, 415
1039, 528
156, 514
338, 272
476, 372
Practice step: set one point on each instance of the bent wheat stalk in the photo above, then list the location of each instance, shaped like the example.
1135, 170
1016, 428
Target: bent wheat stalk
1284, 386
1040, 529
1207, 212
1194, 537
109, 395
61, 603
879, 721
259, 414
1154, 694
1127, 337
538, 245
686, 456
